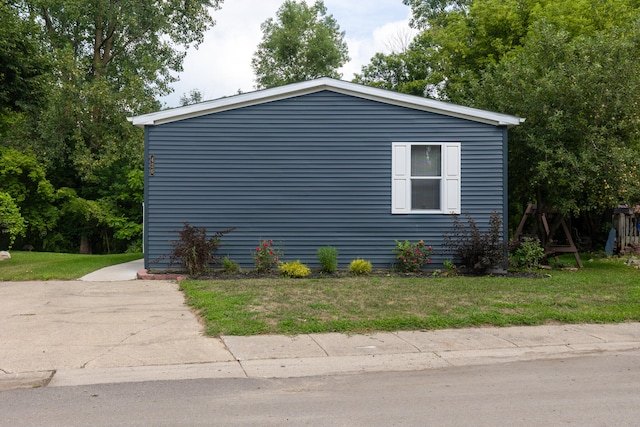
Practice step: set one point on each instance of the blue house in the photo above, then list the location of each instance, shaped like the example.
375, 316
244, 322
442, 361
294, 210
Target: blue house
317, 163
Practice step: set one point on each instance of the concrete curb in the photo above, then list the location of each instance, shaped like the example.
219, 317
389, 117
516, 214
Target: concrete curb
277, 356
25, 380
335, 365
144, 275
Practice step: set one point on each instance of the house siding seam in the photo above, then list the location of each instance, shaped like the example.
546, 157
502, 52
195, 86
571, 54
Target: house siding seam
307, 172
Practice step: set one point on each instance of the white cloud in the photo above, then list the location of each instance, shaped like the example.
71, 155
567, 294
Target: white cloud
222, 64
385, 39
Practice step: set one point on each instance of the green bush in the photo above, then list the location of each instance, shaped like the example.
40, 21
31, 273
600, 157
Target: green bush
294, 269
412, 256
360, 267
230, 266
528, 253
328, 258
135, 247
452, 269
11, 222
195, 251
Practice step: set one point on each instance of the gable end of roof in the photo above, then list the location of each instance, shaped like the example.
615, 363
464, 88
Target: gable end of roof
317, 85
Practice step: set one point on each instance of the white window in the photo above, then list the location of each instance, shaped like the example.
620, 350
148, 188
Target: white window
425, 178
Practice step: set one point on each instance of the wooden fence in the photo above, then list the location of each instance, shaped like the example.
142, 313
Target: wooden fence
627, 232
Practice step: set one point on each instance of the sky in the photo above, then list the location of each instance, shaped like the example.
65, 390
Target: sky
221, 66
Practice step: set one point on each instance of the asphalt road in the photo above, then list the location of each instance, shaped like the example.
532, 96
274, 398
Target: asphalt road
601, 390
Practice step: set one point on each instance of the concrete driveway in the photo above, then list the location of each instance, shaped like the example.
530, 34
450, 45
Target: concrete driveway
49, 326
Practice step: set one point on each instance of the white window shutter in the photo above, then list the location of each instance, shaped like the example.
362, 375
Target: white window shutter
451, 176
401, 178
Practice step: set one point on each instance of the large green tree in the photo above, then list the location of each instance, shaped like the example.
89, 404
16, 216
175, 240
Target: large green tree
28, 194
303, 43
471, 35
23, 63
111, 59
24, 67
579, 150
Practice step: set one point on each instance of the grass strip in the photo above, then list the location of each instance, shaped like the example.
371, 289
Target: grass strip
605, 291
56, 266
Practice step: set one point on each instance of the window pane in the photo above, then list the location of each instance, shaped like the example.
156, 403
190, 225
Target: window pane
425, 194
425, 160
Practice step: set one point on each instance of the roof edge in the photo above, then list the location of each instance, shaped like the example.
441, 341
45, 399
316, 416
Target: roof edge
324, 83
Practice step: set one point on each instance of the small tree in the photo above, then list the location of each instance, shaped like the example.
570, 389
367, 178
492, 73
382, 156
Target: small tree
304, 43
195, 251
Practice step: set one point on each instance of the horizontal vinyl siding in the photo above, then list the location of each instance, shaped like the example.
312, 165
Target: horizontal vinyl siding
307, 172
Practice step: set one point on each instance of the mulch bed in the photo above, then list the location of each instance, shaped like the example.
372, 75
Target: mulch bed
252, 274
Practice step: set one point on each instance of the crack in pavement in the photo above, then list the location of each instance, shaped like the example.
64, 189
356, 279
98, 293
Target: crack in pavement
112, 347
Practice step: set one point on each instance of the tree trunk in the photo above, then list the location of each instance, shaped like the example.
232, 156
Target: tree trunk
85, 245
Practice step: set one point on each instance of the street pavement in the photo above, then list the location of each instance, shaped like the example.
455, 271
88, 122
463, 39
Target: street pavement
108, 327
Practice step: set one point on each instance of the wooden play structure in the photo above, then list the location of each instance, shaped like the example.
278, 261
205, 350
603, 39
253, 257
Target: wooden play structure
556, 232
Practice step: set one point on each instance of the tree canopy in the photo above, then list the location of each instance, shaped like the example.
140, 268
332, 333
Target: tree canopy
112, 60
102, 61
471, 35
410, 71
23, 62
579, 149
25, 185
303, 43
193, 97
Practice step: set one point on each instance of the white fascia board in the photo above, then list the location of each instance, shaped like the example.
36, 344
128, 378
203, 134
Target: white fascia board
427, 104
222, 104
324, 83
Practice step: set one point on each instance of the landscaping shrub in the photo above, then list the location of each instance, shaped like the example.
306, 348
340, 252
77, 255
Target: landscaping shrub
230, 266
195, 251
478, 251
328, 258
411, 256
528, 253
360, 267
266, 256
294, 269
452, 269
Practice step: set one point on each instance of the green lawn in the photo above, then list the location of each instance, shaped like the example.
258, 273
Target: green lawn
604, 291
55, 266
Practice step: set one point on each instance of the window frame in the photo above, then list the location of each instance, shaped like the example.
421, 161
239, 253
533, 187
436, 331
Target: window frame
450, 178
